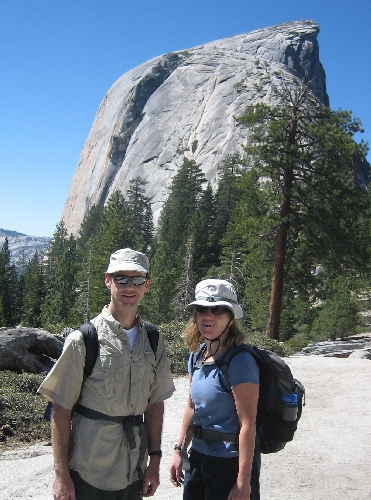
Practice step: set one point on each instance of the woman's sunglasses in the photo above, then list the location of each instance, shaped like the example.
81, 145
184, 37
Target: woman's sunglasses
216, 310
121, 279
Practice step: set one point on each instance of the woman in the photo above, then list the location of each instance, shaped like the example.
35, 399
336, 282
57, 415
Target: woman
219, 470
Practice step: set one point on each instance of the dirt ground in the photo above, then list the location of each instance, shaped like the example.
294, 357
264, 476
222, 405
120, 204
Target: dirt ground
329, 458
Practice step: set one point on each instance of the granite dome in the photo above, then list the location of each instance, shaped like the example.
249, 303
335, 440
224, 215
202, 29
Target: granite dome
184, 103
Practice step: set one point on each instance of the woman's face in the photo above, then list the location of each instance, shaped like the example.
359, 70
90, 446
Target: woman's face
212, 325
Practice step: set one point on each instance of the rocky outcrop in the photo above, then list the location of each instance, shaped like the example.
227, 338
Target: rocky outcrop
19, 243
355, 347
184, 103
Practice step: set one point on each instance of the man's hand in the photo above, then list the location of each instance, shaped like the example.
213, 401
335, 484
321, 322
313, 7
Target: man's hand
151, 478
63, 488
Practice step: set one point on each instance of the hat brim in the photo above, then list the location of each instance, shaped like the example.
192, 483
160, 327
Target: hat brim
129, 266
235, 309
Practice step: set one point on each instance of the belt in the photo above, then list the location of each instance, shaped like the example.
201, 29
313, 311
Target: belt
201, 432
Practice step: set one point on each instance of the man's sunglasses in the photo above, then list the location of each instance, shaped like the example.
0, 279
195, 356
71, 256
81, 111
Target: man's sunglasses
121, 279
216, 310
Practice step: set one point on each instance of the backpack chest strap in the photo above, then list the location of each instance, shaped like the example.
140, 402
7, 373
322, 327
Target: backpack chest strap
127, 421
134, 420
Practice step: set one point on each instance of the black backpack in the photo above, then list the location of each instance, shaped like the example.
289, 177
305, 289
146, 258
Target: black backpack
281, 396
90, 337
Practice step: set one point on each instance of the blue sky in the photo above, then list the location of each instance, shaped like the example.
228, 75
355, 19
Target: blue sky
59, 58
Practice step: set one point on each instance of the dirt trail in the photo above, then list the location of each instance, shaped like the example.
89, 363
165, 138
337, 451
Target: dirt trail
329, 458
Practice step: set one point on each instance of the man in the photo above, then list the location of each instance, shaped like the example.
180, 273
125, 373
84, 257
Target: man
101, 459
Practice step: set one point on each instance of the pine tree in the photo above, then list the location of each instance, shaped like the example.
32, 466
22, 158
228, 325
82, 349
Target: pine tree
170, 242
185, 288
306, 159
201, 230
7, 277
140, 217
338, 317
35, 292
227, 195
181, 204
59, 305
89, 225
110, 234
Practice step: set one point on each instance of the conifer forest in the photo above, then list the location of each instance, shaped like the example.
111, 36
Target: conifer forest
289, 224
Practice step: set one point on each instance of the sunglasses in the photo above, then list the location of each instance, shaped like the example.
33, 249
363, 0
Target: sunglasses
121, 279
216, 310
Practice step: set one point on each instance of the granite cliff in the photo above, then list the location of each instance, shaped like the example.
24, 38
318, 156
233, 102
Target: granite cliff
184, 103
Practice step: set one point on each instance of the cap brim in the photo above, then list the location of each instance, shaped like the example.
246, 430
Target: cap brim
126, 267
235, 309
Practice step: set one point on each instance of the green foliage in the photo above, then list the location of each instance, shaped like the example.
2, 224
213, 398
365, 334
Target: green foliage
338, 316
298, 341
300, 203
35, 293
321, 215
185, 288
21, 408
201, 229
260, 340
169, 249
176, 349
227, 195
61, 281
9, 291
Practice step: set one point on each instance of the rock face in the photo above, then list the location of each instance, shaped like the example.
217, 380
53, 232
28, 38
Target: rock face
19, 242
184, 103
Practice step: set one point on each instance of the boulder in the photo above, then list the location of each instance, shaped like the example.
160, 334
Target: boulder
31, 350
361, 354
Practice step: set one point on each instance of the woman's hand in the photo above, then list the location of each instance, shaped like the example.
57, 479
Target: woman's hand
240, 492
176, 472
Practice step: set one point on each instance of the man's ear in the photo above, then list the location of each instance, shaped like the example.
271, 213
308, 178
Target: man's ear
147, 285
107, 280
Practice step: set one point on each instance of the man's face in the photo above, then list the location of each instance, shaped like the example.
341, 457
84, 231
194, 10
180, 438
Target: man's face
128, 294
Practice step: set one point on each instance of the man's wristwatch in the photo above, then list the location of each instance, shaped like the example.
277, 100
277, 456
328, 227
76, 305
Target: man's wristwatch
176, 447
154, 453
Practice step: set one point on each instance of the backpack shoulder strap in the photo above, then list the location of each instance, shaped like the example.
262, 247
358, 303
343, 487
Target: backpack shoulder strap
223, 364
90, 337
195, 357
153, 335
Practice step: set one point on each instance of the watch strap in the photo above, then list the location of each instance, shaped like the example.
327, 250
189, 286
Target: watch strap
154, 453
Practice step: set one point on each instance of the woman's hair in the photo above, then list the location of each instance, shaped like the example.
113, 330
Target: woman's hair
192, 335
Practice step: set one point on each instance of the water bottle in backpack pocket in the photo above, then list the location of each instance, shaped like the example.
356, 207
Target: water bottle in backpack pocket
289, 407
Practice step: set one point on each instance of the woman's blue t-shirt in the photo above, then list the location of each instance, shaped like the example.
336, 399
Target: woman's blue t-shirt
214, 407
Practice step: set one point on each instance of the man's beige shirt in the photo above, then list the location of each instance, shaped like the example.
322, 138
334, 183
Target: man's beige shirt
123, 382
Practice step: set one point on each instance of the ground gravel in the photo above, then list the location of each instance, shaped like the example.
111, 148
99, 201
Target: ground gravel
329, 458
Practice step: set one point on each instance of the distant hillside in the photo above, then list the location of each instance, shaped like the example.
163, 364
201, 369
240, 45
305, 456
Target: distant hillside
19, 242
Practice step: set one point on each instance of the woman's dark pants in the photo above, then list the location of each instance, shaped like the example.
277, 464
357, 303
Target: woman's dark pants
212, 478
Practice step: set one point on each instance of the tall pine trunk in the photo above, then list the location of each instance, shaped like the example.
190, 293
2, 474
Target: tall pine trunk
275, 304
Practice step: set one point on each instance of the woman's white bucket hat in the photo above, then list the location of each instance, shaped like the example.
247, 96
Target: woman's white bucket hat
216, 292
